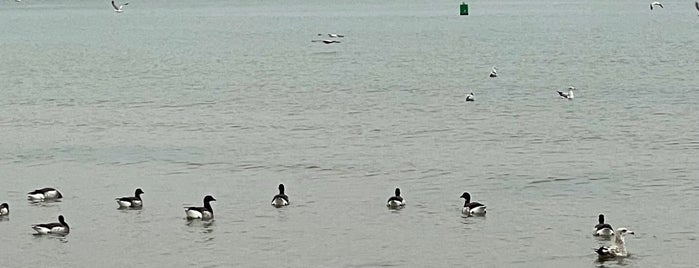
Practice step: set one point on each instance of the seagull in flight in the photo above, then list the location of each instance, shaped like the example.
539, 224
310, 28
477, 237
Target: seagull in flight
326, 41
656, 4
332, 35
118, 9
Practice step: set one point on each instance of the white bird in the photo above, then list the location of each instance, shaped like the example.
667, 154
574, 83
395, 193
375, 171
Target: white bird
118, 9
4, 209
396, 201
619, 247
44, 194
326, 41
568, 95
281, 199
656, 4
469, 97
603, 229
131, 201
472, 208
494, 72
59, 228
204, 213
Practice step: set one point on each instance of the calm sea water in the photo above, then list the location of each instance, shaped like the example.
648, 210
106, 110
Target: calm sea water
230, 98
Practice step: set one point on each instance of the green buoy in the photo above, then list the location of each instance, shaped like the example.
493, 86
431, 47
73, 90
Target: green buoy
464, 9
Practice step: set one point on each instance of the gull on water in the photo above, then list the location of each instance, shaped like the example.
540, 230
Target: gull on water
568, 95
616, 250
656, 3
494, 72
603, 229
118, 9
469, 97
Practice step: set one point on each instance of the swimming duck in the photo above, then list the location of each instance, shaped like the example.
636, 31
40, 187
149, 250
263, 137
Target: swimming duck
44, 194
4, 209
281, 199
471, 208
396, 201
603, 229
59, 228
131, 201
204, 213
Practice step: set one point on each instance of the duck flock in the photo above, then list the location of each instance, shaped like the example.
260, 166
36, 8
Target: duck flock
206, 213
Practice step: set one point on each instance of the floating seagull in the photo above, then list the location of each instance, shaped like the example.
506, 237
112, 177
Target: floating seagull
472, 208
204, 213
59, 228
326, 41
44, 194
469, 97
131, 201
618, 249
281, 199
4, 209
494, 72
120, 8
603, 229
396, 201
568, 95
656, 4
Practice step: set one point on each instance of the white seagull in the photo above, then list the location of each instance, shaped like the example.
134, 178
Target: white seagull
469, 97
326, 41
118, 9
494, 72
568, 95
656, 4
618, 249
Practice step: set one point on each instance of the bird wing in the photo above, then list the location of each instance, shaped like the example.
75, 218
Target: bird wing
115, 6
661, 5
562, 94
696, 4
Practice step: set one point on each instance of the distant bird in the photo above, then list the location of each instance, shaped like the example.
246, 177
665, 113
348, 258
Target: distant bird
326, 41
656, 4
118, 9
696, 5
469, 97
603, 229
396, 201
204, 213
616, 250
472, 208
568, 95
44, 194
59, 228
281, 199
494, 72
4, 209
332, 35
131, 201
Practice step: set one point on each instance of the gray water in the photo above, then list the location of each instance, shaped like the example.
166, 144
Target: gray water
230, 98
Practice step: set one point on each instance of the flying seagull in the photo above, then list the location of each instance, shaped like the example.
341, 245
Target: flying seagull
332, 35
326, 41
656, 4
118, 9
